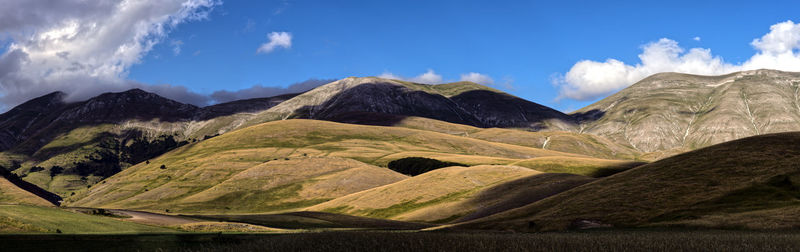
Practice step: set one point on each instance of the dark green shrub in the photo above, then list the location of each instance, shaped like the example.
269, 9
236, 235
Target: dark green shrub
414, 166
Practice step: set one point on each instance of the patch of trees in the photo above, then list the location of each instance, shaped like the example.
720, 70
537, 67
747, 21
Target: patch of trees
109, 158
55, 170
140, 149
414, 166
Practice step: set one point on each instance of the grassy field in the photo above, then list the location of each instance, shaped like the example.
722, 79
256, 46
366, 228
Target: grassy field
35, 219
617, 240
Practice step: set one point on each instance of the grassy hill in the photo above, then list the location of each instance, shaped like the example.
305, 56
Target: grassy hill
11, 194
421, 198
751, 182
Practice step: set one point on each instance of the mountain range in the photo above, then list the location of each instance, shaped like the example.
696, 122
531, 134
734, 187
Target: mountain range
673, 141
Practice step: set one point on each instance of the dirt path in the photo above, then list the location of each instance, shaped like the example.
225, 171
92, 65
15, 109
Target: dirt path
153, 218
144, 217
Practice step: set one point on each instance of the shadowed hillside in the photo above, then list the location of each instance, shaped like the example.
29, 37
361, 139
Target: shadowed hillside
741, 183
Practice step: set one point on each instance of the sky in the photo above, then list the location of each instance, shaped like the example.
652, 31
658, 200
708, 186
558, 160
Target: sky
562, 54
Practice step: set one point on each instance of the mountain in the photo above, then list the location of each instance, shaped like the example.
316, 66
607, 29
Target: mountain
680, 111
379, 101
747, 183
65, 146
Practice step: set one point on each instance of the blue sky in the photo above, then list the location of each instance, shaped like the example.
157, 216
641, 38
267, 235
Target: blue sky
526, 47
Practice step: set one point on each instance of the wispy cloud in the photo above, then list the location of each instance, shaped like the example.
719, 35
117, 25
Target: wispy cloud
589, 79
477, 78
257, 91
176, 47
276, 40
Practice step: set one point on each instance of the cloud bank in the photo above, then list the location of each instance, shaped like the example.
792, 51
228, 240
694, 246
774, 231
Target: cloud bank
85, 47
588, 79
262, 91
276, 40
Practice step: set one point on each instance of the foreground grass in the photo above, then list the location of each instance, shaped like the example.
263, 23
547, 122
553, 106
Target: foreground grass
36, 219
618, 240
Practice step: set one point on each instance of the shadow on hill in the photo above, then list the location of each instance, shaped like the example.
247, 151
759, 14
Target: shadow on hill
385, 104
385, 98
242, 106
588, 116
502, 110
27, 186
523, 191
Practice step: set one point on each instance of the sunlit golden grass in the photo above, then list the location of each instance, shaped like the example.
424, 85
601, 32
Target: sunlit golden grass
410, 199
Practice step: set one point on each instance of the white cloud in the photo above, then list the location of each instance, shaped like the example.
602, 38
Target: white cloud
276, 39
429, 77
477, 78
696, 38
82, 47
176, 46
588, 79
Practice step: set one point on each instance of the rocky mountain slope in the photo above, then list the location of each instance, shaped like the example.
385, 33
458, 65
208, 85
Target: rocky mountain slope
680, 111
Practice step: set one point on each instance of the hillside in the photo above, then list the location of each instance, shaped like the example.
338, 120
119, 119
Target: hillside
563, 141
379, 101
201, 174
742, 183
12, 194
685, 112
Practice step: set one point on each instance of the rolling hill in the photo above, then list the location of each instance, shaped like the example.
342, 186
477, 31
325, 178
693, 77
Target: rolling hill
680, 111
12, 194
420, 197
746, 183
226, 168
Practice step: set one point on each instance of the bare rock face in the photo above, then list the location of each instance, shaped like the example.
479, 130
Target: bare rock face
670, 110
362, 100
